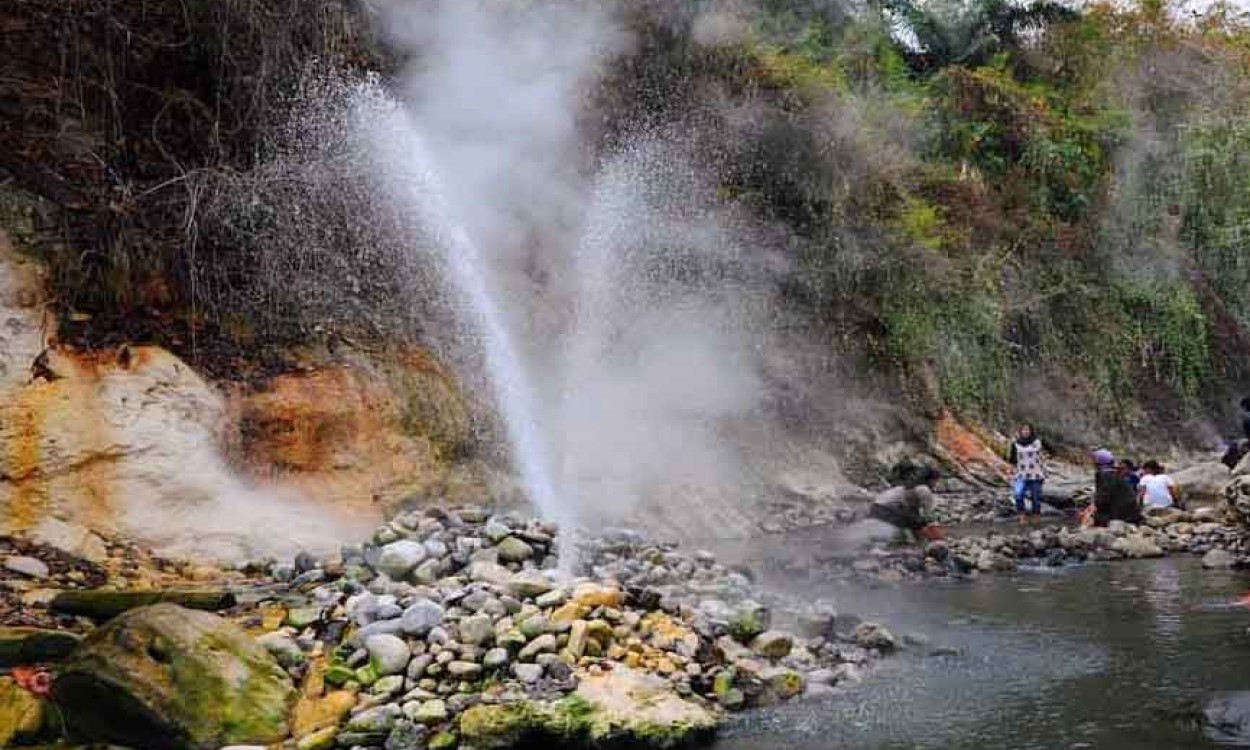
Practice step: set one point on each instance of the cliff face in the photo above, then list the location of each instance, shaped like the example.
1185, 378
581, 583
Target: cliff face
133, 441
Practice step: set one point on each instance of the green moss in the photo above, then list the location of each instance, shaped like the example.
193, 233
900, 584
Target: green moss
574, 716
339, 675
499, 726
745, 626
443, 741
366, 675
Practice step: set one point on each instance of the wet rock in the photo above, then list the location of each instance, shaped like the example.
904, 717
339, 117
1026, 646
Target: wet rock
873, 635
773, 644
1137, 546
164, 676
1227, 719
780, 684
1217, 559
990, 561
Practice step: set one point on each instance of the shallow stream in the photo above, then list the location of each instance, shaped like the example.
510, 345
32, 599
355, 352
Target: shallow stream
1113, 656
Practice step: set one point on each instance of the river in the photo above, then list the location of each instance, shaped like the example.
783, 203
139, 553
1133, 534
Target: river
1112, 656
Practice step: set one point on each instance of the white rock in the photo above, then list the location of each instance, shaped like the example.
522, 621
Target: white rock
397, 559
27, 566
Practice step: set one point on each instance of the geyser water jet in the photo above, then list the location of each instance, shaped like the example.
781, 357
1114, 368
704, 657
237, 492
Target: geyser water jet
414, 179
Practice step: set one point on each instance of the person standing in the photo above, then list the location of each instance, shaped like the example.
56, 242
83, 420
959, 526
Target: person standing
1113, 495
1030, 471
1157, 489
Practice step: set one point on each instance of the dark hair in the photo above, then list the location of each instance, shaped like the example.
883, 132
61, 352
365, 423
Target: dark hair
1245, 403
1153, 466
1128, 464
924, 475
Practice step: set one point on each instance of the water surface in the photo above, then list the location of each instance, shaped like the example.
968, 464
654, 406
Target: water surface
1106, 656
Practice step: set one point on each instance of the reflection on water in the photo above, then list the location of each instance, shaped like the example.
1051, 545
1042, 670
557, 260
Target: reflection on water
1108, 657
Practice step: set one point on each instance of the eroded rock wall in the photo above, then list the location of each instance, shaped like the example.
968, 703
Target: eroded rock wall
133, 441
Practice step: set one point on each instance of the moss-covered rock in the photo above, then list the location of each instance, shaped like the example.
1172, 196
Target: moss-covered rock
622, 707
34, 645
165, 677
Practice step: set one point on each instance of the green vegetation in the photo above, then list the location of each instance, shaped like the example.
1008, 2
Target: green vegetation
1027, 192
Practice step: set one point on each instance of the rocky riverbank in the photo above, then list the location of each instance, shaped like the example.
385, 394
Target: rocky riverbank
1008, 548
447, 628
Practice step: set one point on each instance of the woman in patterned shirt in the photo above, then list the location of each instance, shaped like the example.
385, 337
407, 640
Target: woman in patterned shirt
1026, 457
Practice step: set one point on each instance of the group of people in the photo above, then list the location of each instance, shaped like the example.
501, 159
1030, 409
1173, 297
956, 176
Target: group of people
1122, 490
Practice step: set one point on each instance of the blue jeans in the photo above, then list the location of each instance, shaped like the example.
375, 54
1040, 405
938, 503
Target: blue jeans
1031, 488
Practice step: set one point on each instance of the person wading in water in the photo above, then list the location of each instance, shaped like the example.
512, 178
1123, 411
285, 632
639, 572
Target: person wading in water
1030, 474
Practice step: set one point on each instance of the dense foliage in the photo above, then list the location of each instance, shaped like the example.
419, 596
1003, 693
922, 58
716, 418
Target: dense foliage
1040, 213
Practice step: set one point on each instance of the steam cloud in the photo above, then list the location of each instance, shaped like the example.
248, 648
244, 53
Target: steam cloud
630, 297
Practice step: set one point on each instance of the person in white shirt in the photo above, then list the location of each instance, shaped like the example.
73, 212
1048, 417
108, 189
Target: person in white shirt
1156, 489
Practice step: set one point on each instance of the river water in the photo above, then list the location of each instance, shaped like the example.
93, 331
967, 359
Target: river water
1113, 656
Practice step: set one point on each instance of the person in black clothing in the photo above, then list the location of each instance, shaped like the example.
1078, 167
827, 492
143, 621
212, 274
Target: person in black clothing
1237, 449
1128, 469
1114, 498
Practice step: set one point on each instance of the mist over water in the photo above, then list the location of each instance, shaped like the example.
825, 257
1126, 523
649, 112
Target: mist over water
612, 303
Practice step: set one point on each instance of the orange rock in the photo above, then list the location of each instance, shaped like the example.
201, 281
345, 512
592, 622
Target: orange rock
311, 714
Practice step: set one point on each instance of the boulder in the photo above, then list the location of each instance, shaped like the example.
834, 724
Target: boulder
872, 635
1203, 482
163, 676
622, 706
1137, 546
1226, 719
1217, 559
